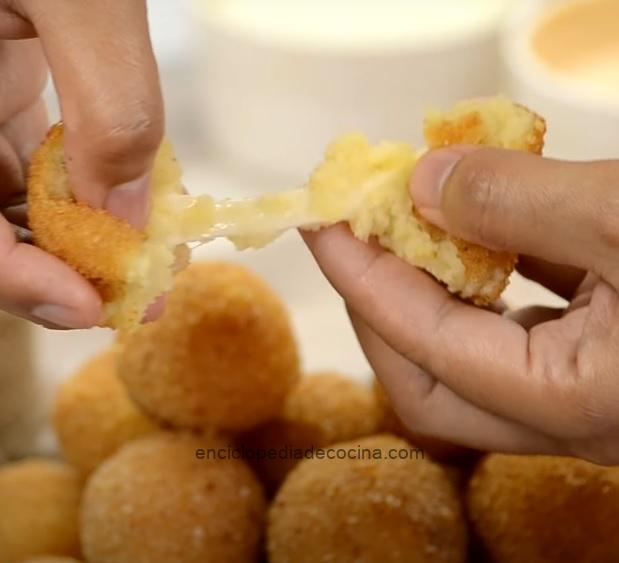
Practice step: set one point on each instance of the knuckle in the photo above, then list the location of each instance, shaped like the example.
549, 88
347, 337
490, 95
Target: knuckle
480, 186
117, 138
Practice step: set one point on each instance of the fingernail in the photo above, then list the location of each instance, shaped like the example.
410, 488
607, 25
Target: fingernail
428, 180
131, 201
57, 315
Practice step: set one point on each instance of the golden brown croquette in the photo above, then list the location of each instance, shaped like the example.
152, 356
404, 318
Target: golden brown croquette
222, 355
93, 415
39, 502
157, 501
542, 509
370, 509
321, 409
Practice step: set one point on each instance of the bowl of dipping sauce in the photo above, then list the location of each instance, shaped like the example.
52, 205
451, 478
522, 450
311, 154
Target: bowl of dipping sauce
562, 60
283, 78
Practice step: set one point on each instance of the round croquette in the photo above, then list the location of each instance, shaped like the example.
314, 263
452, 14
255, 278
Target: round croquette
370, 509
39, 503
323, 408
542, 509
93, 415
157, 501
223, 354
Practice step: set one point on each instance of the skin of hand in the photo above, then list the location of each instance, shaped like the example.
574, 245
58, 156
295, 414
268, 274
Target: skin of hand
536, 380
101, 60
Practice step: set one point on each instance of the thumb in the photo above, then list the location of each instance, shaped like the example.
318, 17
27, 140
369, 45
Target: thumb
563, 212
106, 75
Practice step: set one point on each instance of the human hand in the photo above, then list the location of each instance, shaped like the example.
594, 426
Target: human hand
536, 380
106, 76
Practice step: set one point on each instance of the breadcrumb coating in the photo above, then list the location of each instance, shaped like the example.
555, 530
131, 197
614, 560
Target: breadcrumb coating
367, 510
323, 408
223, 354
542, 509
52, 559
93, 415
39, 501
156, 501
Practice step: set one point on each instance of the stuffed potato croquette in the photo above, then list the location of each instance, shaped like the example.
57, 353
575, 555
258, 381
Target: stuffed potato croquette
156, 501
222, 355
542, 509
128, 267
93, 415
323, 408
367, 509
39, 503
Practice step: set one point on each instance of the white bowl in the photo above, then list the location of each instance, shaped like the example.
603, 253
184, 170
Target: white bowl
276, 92
582, 122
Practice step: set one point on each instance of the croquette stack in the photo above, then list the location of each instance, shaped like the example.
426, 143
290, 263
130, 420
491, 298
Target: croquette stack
196, 439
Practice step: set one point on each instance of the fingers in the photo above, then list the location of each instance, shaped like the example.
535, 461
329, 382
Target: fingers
488, 360
24, 74
563, 212
39, 287
427, 406
106, 76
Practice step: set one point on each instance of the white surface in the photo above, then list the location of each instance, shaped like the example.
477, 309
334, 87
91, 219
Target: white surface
317, 24
273, 105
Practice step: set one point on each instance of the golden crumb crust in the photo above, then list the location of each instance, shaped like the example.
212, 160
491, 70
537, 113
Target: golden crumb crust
96, 244
156, 501
495, 122
222, 355
52, 559
543, 509
39, 501
93, 415
323, 408
372, 510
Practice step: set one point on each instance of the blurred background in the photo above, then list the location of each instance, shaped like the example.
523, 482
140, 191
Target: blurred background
255, 89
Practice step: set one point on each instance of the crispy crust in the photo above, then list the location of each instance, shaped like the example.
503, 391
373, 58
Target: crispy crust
487, 271
93, 242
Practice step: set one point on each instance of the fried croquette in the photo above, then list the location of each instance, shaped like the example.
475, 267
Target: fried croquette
93, 415
323, 408
223, 354
39, 503
389, 421
129, 268
157, 501
543, 509
370, 508
52, 559
359, 183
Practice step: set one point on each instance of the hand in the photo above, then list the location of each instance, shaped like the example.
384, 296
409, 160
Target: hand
104, 70
534, 381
